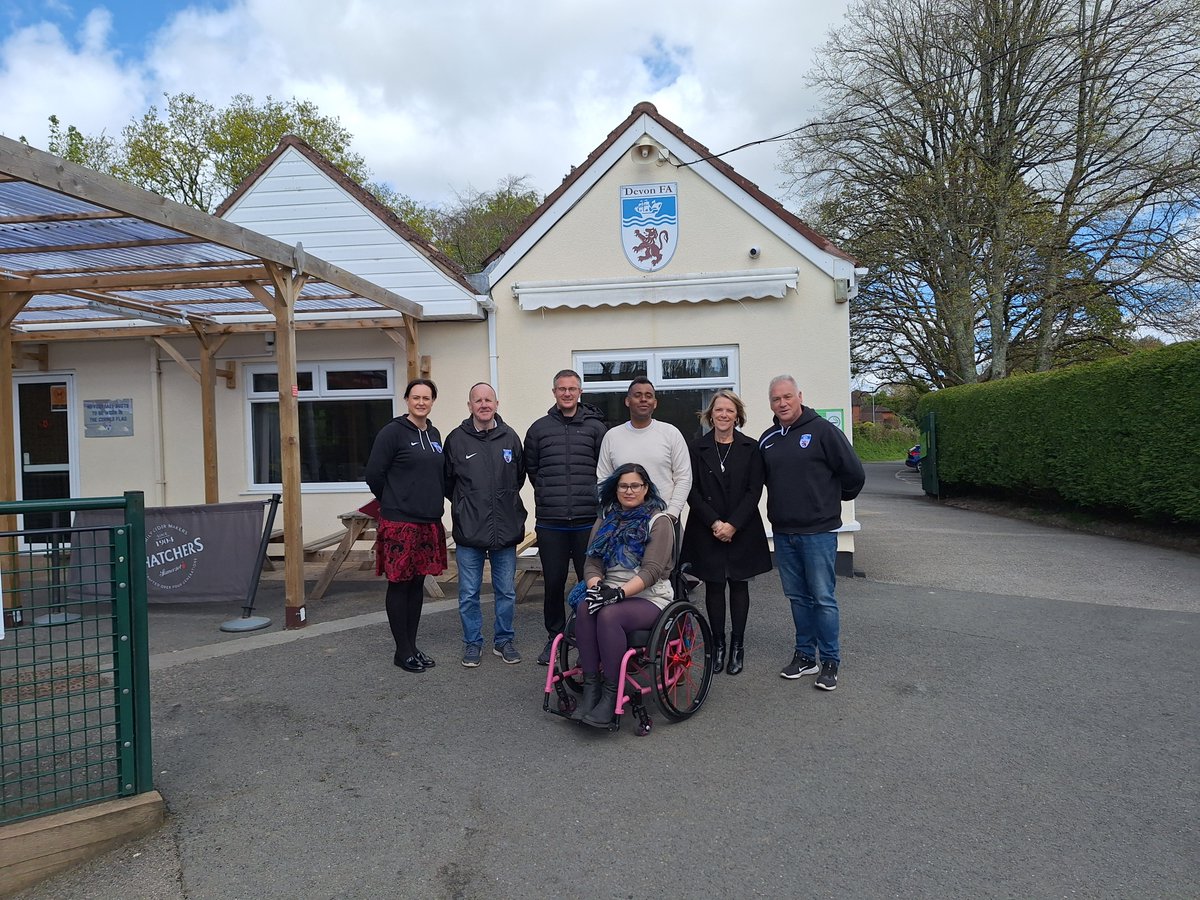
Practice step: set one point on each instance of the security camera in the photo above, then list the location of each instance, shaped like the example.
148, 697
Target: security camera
754, 251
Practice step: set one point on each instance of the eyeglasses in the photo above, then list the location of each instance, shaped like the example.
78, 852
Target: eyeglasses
630, 488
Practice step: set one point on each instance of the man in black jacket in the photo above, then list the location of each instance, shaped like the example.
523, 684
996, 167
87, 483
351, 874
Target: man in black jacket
561, 449
810, 469
485, 469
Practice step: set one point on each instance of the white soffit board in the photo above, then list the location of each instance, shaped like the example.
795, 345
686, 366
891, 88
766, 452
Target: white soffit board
752, 284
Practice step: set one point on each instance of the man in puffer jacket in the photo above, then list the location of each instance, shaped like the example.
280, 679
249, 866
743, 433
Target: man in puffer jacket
561, 449
485, 469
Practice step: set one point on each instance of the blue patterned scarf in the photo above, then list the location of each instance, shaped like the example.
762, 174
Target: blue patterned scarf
621, 538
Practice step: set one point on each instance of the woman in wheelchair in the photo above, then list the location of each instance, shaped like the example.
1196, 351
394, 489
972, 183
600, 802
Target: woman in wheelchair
627, 573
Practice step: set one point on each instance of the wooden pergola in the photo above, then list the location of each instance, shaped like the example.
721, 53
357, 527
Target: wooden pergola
86, 257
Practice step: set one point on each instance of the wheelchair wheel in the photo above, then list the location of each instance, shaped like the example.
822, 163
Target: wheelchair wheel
681, 655
568, 656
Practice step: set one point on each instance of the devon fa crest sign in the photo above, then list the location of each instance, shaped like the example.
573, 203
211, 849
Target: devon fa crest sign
650, 224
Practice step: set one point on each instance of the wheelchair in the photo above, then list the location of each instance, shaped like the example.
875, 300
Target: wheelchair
673, 661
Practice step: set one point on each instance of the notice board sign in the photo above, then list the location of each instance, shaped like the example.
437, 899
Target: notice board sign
834, 416
108, 418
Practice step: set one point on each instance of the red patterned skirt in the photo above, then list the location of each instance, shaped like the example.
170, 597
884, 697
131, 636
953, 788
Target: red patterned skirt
404, 550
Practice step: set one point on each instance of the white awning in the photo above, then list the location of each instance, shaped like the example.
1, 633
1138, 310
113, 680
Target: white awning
750, 284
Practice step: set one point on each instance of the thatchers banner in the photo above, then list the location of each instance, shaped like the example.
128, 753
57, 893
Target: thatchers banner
192, 552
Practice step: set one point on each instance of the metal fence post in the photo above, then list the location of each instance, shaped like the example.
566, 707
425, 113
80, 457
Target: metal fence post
135, 516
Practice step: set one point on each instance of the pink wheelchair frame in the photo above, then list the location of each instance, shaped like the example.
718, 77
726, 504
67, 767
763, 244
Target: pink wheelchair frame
673, 660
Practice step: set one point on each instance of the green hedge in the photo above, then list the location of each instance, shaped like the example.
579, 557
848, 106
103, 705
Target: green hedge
1121, 434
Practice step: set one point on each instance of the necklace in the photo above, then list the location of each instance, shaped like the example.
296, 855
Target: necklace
721, 459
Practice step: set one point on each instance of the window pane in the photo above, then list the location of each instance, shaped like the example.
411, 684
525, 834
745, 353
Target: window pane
679, 407
268, 382
357, 380
264, 429
696, 367
335, 439
682, 409
614, 370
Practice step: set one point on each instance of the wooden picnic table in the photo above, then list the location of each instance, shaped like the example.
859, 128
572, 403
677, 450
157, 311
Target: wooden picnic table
358, 526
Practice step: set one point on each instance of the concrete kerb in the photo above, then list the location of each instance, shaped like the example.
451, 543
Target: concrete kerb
160, 661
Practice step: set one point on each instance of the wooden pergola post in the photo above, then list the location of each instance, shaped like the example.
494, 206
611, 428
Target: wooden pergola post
413, 349
208, 412
287, 289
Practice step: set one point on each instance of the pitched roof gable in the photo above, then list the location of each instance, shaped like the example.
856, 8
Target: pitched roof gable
674, 139
385, 215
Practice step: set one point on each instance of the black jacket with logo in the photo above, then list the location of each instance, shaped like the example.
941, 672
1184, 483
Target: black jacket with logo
405, 472
811, 468
560, 459
484, 474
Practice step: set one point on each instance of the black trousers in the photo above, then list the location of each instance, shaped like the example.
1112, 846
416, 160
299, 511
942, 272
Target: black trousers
558, 551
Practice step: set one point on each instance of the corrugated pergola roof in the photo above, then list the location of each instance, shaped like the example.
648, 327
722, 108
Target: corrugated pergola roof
84, 256
95, 253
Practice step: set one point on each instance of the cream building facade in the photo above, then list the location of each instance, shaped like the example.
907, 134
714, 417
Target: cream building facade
744, 291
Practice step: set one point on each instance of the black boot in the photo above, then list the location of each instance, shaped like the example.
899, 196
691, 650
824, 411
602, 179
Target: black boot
604, 712
736, 652
589, 698
719, 652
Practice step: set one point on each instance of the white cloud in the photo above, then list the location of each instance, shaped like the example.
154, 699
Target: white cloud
457, 93
42, 73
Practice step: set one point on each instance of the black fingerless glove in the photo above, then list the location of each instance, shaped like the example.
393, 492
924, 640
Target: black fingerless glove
611, 595
600, 596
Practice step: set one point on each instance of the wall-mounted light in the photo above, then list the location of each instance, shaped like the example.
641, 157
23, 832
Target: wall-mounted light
645, 150
841, 290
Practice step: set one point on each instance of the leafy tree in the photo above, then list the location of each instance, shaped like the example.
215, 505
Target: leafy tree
472, 228
95, 152
197, 153
1021, 177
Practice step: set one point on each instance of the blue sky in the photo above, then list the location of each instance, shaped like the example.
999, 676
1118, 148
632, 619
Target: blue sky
134, 21
439, 96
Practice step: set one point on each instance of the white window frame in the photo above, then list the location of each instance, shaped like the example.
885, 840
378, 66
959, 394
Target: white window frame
319, 391
655, 357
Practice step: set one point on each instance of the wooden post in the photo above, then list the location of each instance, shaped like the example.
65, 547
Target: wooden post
10, 305
413, 348
287, 289
208, 412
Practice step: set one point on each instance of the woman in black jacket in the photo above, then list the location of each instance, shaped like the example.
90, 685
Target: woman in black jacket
405, 472
725, 541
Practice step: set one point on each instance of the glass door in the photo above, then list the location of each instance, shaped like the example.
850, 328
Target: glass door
45, 446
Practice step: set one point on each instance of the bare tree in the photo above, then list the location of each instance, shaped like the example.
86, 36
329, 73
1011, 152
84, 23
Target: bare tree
1021, 176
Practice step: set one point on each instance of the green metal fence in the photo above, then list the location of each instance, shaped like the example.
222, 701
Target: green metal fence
74, 673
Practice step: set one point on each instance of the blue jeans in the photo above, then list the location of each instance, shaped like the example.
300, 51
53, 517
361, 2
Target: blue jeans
470, 579
806, 568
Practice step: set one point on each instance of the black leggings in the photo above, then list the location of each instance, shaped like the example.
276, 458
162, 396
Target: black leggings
739, 607
404, 601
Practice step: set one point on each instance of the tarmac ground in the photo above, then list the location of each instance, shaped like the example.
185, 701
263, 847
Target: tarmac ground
1016, 717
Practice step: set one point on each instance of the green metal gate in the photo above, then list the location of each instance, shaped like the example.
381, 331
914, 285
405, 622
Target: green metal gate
929, 477
74, 666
